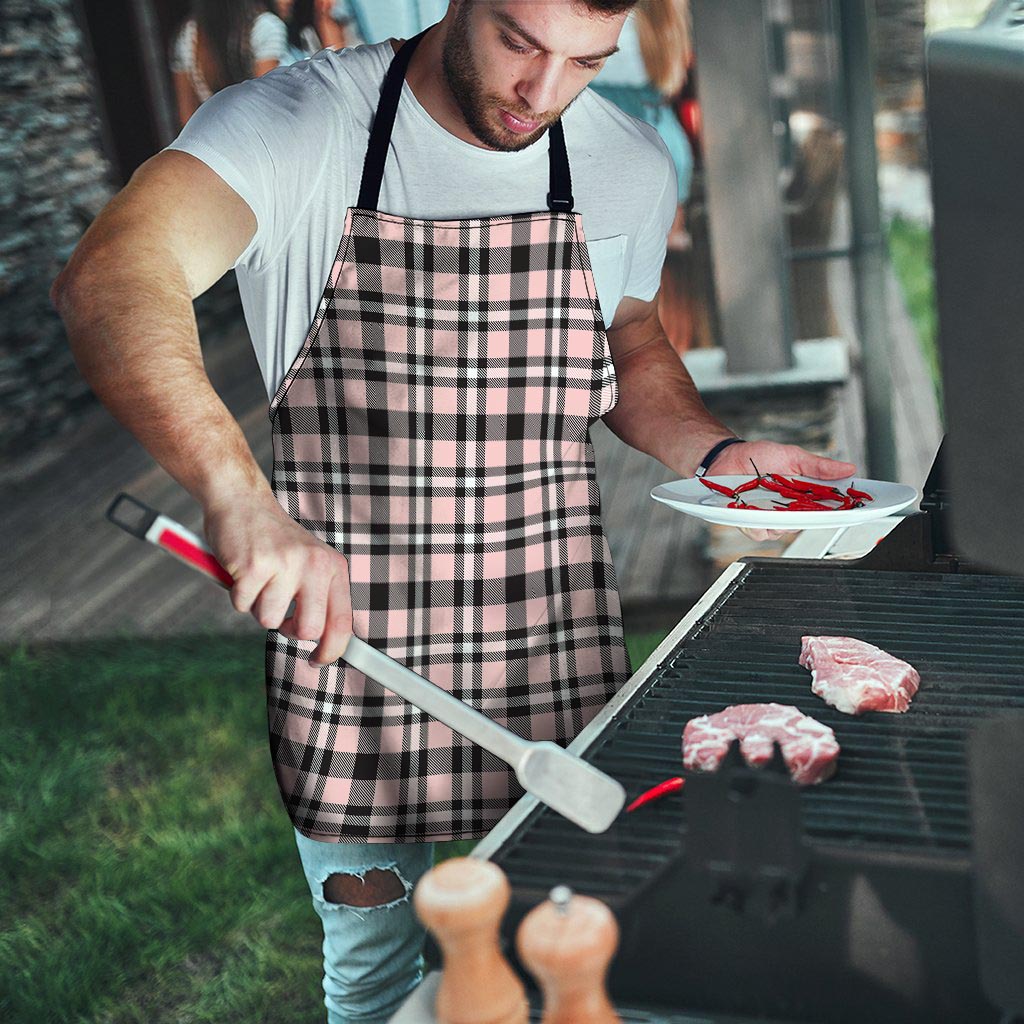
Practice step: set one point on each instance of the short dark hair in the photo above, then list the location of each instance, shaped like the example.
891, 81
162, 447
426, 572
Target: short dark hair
606, 7
609, 6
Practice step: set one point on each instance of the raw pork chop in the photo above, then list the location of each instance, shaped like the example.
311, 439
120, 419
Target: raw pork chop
855, 677
809, 748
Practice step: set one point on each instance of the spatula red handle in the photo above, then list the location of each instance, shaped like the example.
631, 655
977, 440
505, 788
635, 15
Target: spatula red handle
147, 524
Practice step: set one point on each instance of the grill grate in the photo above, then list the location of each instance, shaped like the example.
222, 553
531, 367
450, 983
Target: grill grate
902, 779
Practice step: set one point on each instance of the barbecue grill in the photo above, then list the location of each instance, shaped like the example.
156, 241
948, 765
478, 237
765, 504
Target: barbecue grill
852, 900
893, 892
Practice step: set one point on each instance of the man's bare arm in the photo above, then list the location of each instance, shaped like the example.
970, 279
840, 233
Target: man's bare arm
126, 300
659, 411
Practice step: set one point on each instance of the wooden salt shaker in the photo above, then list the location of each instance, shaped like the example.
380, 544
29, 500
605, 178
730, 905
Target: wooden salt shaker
567, 943
462, 901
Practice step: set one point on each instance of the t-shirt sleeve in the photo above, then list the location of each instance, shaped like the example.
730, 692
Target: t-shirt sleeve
269, 38
181, 55
268, 139
652, 240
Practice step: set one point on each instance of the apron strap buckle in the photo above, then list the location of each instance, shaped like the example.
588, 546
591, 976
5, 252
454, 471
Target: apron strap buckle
560, 204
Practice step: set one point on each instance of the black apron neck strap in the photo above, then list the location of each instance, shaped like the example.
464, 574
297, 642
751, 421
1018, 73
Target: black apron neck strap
383, 122
559, 197
560, 194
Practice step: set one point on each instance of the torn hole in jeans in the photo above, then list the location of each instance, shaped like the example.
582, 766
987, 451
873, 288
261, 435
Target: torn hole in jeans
369, 890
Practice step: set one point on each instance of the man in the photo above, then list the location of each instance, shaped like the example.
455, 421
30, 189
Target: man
433, 486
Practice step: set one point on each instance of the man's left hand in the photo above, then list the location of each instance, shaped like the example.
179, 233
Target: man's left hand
771, 457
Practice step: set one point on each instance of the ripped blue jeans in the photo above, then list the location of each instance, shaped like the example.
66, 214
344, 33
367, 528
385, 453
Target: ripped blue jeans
373, 955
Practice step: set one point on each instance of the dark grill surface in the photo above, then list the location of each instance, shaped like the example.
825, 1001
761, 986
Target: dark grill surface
902, 779
632, 1015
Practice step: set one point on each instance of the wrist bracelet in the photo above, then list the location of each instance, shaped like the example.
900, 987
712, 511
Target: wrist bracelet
705, 463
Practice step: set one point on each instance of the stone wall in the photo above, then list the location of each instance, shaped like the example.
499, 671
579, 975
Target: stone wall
899, 54
899, 82
54, 178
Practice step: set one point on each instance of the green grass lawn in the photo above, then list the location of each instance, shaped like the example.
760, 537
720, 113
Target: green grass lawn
148, 871
910, 247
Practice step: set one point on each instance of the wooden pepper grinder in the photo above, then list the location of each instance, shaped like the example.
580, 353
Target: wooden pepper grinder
462, 901
567, 942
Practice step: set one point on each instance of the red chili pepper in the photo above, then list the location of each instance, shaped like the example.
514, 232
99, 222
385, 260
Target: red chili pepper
771, 485
806, 505
788, 492
793, 485
720, 488
750, 485
656, 793
863, 495
810, 487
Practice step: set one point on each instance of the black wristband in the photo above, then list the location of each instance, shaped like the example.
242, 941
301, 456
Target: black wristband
705, 463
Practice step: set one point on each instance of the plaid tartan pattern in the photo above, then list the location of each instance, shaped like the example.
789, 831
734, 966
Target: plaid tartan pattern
435, 429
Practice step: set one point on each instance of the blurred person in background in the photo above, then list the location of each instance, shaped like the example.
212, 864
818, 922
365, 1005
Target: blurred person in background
314, 25
376, 20
648, 73
223, 42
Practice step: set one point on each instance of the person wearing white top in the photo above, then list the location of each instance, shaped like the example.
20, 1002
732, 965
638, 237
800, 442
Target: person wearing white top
221, 44
641, 91
314, 25
373, 21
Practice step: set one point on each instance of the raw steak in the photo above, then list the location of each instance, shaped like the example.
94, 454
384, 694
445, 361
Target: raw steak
809, 748
855, 677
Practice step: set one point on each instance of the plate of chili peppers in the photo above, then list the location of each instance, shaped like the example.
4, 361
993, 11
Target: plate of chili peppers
778, 501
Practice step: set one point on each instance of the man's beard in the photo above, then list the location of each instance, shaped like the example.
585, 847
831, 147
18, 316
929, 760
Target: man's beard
464, 83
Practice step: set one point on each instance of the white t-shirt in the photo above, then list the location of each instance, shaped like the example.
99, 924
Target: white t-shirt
292, 144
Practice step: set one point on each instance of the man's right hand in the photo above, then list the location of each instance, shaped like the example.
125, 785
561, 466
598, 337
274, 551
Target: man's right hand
275, 561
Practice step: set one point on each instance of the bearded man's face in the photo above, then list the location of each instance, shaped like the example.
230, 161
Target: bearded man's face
514, 66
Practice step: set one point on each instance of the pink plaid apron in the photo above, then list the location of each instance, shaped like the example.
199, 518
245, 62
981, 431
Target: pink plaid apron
435, 429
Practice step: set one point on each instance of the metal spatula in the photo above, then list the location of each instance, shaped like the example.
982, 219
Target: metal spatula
567, 784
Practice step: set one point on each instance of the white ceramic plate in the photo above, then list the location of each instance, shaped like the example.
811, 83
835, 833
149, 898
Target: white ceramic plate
693, 498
